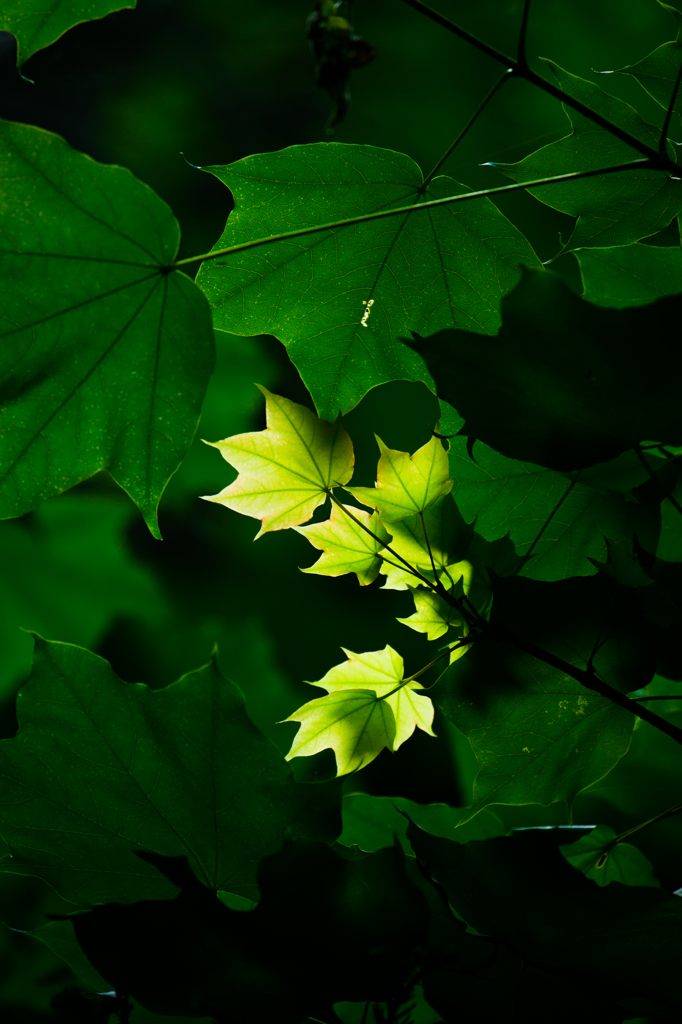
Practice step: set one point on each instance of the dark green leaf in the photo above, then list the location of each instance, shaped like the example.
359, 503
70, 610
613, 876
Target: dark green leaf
519, 890
192, 955
420, 271
566, 384
105, 356
615, 209
37, 23
630, 275
100, 768
538, 734
554, 523
604, 863
373, 822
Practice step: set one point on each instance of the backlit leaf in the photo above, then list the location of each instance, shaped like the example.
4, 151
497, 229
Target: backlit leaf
622, 863
615, 209
420, 271
358, 729
354, 723
432, 614
105, 354
346, 546
101, 768
285, 470
442, 530
657, 72
407, 484
37, 23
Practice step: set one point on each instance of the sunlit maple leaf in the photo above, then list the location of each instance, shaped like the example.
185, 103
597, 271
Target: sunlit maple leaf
346, 546
285, 470
407, 484
354, 723
432, 616
440, 529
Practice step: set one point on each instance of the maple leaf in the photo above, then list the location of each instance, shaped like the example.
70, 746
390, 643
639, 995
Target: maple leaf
349, 719
407, 484
286, 470
356, 724
346, 546
440, 529
432, 616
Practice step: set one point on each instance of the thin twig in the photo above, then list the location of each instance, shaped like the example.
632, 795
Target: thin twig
521, 59
474, 117
640, 165
448, 650
523, 71
591, 681
675, 809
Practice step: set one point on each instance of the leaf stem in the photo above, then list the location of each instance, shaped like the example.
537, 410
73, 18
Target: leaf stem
673, 501
384, 544
522, 70
640, 164
464, 642
658, 817
474, 117
669, 113
676, 696
521, 59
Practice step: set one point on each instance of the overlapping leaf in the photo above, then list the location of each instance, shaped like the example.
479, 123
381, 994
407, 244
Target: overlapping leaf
566, 384
432, 614
361, 714
105, 355
617, 941
37, 23
407, 484
441, 530
603, 862
615, 209
657, 72
420, 271
630, 275
555, 523
538, 734
373, 822
101, 768
346, 546
285, 470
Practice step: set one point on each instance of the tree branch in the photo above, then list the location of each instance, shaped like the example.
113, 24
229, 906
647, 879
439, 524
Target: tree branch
522, 70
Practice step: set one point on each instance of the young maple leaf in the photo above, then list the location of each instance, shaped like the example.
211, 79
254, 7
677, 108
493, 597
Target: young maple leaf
407, 484
448, 541
346, 546
354, 723
432, 615
350, 719
285, 470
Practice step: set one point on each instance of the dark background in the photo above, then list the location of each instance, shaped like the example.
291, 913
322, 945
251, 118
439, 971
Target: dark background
177, 83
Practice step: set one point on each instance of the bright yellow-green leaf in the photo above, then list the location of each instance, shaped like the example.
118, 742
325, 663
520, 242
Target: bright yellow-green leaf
346, 546
382, 672
448, 538
407, 484
354, 723
286, 469
433, 615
